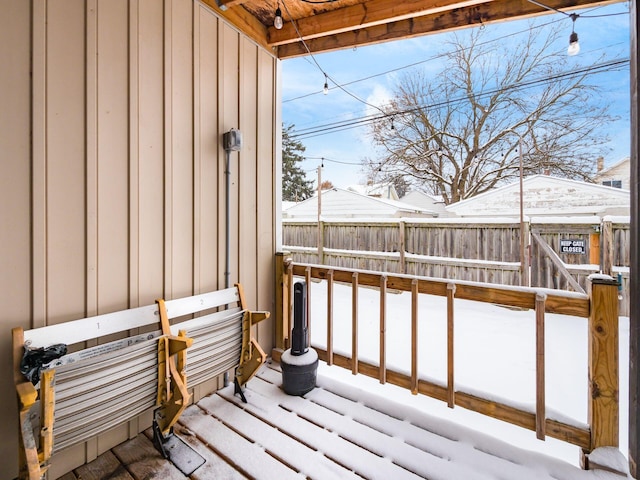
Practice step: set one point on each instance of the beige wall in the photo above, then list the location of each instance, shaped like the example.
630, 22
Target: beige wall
112, 184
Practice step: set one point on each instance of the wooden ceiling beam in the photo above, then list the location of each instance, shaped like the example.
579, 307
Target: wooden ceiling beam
224, 4
485, 13
361, 15
243, 21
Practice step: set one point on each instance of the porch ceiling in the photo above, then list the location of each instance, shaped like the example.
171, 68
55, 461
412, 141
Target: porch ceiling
335, 24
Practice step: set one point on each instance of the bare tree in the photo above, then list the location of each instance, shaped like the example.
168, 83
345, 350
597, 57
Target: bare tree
457, 134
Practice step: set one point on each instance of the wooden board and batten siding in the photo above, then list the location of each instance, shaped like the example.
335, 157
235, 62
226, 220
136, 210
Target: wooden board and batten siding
114, 169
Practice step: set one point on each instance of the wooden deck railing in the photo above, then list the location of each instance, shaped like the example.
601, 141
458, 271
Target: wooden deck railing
599, 307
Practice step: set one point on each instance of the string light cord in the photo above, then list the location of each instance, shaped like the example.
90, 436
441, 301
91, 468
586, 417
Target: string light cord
575, 15
354, 123
441, 55
327, 76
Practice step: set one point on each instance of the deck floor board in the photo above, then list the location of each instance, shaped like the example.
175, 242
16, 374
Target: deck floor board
333, 432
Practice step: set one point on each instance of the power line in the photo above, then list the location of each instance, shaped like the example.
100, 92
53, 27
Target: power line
441, 55
332, 127
326, 76
331, 160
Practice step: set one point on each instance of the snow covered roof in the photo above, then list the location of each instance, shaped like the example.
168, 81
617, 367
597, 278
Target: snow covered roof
286, 204
624, 163
338, 203
544, 195
380, 190
424, 200
619, 171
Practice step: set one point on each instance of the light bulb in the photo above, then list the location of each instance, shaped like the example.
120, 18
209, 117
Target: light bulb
325, 89
277, 21
574, 46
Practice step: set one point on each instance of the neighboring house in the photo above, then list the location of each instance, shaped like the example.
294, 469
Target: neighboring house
429, 202
617, 175
287, 204
338, 203
544, 195
378, 190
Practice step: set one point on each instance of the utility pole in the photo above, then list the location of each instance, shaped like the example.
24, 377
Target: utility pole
524, 277
319, 242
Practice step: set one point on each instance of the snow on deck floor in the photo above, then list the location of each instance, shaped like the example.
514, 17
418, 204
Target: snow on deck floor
337, 431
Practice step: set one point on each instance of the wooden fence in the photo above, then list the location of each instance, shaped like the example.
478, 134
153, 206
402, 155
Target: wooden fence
599, 307
481, 251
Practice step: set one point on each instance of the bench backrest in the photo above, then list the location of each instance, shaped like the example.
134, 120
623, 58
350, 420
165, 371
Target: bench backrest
102, 386
98, 326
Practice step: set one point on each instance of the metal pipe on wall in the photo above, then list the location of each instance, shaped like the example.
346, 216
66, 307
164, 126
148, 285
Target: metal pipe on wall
232, 142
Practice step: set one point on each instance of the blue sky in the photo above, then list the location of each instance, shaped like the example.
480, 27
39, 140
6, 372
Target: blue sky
374, 70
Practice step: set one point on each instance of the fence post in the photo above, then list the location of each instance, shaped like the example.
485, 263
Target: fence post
402, 248
320, 242
603, 415
607, 248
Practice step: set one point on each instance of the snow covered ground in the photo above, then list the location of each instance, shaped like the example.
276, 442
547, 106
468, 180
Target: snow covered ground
494, 358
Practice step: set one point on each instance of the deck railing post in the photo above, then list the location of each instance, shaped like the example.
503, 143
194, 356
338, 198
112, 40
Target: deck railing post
283, 260
603, 414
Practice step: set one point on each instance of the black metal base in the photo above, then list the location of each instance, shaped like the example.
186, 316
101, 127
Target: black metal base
177, 451
238, 390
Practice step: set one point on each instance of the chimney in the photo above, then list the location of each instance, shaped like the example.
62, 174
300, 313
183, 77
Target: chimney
547, 172
600, 164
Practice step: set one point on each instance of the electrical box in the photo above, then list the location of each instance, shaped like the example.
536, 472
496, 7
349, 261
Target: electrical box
232, 140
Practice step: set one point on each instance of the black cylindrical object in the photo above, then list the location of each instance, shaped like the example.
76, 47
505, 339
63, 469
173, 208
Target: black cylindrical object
299, 372
299, 341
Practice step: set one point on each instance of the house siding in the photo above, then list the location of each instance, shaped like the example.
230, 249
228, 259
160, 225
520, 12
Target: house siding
113, 186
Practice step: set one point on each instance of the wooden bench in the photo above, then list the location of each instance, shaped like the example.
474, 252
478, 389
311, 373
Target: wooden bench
93, 389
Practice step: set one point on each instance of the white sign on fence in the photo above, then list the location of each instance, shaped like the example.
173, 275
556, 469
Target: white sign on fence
576, 246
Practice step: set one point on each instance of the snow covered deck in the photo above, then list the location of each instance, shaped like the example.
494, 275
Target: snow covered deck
335, 432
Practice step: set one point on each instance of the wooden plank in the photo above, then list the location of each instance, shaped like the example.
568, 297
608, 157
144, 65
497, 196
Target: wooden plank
247, 168
375, 12
215, 466
88, 328
65, 174
568, 303
281, 302
198, 303
507, 413
268, 427
307, 278
594, 248
603, 412
234, 447
141, 458
105, 467
607, 247
553, 256
540, 370
242, 20
71, 476
269, 182
451, 399
84, 329
148, 85
47, 406
473, 15
354, 323
556, 429
414, 336
330, 317
383, 329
